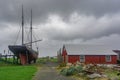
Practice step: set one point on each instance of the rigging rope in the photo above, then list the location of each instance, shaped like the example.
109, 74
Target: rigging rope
36, 42
18, 34
27, 37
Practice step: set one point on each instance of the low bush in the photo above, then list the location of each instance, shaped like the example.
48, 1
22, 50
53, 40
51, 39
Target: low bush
79, 69
64, 72
118, 61
71, 70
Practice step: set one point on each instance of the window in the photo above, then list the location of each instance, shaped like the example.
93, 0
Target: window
108, 58
82, 58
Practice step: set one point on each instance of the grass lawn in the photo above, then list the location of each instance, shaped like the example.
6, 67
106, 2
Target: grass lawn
17, 72
45, 59
41, 60
10, 71
53, 59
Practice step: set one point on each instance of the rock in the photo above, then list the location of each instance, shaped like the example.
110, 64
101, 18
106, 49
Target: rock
89, 66
78, 63
94, 75
69, 64
104, 76
80, 74
109, 66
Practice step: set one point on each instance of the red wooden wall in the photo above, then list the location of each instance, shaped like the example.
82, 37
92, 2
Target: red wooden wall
73, 58
94, 59
100, 59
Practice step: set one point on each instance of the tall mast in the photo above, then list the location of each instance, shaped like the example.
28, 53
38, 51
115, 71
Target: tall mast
31, 29
22, 26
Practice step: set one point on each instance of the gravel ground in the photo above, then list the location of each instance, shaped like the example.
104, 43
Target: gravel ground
48, 72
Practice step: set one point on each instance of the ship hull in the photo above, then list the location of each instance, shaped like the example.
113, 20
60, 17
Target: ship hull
25, 54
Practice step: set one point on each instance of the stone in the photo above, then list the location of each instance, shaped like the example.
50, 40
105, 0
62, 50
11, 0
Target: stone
69, 64
94, 75
80, 74
78, 63
105, 76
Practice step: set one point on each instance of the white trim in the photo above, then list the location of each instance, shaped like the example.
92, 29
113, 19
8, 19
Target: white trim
82, 58
108, 58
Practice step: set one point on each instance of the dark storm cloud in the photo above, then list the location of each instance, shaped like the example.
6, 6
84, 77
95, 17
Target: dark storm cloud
10, 10
65, 8
97, 7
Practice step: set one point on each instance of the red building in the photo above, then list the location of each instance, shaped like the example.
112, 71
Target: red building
95, 54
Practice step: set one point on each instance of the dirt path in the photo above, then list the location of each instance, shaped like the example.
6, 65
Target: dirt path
48, 72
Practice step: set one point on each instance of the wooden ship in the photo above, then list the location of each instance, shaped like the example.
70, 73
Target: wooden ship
24, 52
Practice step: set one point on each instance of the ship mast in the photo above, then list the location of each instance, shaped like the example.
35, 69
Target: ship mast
22, 26
31, 30
31, 33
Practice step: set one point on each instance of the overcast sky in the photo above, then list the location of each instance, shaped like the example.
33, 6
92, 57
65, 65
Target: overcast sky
58, 22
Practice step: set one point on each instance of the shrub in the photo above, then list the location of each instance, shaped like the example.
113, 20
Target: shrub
79, 69
71, 71
118, 61
68, 72
63, 72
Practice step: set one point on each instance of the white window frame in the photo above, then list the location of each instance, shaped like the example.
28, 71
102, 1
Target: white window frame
108, 58
82, 58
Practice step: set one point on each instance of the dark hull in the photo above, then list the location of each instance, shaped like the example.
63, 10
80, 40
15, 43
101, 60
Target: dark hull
25, 54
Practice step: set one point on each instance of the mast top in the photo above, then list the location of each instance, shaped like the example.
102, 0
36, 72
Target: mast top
22, 26
31, 29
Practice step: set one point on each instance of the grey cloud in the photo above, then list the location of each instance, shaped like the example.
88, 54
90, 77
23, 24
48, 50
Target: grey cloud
11, 9
65, 8
84, 27
101, 17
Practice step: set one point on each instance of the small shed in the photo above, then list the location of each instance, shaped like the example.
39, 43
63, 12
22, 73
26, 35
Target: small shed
95, 54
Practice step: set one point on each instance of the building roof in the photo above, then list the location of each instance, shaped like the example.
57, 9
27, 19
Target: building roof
85, 49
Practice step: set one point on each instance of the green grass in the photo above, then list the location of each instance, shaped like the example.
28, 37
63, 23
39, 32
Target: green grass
41, 60
53, 59
10, 71
45, 59
3, 63
17, 72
